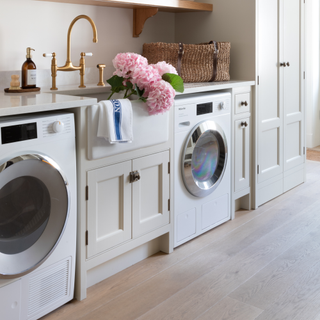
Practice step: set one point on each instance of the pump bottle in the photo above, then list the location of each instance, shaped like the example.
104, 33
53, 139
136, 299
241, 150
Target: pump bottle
28, 72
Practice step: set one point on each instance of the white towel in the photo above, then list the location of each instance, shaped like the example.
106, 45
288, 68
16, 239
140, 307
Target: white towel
115, 120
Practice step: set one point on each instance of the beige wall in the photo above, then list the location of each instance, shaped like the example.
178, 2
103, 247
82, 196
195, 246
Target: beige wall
44, 25
231, 20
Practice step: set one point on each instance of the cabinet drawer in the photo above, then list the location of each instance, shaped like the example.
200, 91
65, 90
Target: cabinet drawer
242, 103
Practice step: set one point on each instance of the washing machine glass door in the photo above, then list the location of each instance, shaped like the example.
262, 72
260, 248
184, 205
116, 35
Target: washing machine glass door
204, 158
34, 206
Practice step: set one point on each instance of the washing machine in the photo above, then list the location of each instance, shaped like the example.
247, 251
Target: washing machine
202, 181
37, 214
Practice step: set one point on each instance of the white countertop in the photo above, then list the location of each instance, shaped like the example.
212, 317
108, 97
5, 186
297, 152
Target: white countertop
20, 103
72, 96
188, 87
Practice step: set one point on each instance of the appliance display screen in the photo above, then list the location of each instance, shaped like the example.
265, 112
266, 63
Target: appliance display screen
21, 132
204, 108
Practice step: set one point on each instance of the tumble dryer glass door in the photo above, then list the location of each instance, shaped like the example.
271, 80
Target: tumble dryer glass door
204, 158
34, 206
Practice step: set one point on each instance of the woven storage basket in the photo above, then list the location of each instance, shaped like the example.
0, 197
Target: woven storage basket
202, 62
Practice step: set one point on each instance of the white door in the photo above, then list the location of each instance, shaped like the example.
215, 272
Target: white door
241, 154
269, 112
290, 54
150, 194
109, 207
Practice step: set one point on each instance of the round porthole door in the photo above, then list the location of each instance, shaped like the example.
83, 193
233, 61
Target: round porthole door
204, 158
34, 207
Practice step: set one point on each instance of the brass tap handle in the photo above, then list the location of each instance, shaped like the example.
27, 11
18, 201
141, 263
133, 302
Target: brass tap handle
54, 68
101, 67
83, 67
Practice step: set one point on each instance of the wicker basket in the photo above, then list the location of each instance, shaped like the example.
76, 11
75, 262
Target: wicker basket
202, 62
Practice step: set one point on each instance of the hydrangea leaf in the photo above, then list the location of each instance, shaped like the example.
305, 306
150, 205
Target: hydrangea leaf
116, 83
175, 81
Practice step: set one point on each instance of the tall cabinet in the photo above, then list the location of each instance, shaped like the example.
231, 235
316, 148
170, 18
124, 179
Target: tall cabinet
279, 119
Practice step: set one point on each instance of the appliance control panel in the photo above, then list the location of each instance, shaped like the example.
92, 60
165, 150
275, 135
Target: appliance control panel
190, 109
23, 129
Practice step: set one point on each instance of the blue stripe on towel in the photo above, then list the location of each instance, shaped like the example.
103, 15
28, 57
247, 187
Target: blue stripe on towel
117, 116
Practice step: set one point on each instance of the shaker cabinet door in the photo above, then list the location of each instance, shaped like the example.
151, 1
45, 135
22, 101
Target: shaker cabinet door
150, 194
292, 77
241, 154
109, 207
270, 114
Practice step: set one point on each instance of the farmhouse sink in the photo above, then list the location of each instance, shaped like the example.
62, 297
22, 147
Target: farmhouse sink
147, 130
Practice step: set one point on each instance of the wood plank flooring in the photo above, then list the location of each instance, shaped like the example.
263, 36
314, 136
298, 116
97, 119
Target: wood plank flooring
313, 153
264, 265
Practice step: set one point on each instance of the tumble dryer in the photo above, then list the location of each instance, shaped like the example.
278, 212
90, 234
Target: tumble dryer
202, 181
37, 214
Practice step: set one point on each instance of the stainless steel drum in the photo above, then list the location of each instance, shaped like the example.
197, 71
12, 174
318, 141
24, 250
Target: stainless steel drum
204, 158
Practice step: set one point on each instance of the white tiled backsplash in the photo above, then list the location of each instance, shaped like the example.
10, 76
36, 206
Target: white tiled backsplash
63, 78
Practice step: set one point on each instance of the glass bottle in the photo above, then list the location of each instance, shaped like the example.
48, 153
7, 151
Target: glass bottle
28, 72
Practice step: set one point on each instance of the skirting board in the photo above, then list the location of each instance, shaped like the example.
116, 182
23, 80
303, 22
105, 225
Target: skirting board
122, 262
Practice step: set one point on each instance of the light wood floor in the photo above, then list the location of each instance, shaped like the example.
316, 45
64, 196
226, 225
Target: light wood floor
313, 153
265, 264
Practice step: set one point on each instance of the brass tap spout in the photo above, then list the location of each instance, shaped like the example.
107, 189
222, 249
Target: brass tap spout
95, 35
69, 66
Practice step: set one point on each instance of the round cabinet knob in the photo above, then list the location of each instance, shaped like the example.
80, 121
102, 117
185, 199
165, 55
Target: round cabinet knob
58, 126
244, 103
283, 64
221, 105
288, 64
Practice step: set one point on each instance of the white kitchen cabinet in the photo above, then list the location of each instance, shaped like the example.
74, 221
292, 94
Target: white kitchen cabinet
109, 207
120, 209
241, 149
279, 131
121, 223
150, 194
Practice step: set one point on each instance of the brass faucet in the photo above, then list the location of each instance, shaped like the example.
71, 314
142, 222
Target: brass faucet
69, 66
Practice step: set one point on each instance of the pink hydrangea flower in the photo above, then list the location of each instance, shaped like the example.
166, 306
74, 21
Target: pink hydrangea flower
164, 67
144, 77
125, 63
160, 98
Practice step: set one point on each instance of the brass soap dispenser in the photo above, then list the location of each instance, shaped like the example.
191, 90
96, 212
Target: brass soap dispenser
28, 72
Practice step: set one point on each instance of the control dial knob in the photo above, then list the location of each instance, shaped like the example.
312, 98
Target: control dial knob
58, 126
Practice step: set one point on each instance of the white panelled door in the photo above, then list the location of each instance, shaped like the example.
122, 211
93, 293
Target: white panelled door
150, 195
280, 105
109, 207
290, 55
270, 115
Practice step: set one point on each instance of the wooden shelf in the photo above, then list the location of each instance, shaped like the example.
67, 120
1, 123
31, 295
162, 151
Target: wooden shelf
144, 9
